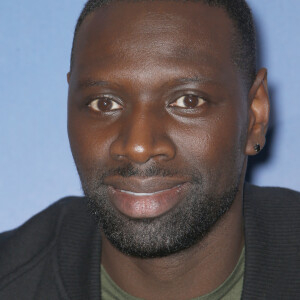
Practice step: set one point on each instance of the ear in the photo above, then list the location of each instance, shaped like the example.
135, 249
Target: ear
259, 109
68, 77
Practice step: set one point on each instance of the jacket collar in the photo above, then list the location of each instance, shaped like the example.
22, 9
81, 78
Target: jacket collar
272, 243
78, 254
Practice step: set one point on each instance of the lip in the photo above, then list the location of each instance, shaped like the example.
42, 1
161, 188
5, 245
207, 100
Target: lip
147, 202
135, 184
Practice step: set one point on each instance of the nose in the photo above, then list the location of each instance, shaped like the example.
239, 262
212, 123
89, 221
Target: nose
142, 137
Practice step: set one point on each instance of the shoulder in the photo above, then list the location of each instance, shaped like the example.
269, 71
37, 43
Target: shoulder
273, 211
272, 239
30, 243
274, 197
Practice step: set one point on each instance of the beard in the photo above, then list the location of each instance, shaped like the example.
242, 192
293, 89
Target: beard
178, 229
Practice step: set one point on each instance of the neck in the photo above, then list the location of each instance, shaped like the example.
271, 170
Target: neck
191, 273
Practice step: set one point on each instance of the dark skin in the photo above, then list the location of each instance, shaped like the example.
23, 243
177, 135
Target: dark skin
131, 65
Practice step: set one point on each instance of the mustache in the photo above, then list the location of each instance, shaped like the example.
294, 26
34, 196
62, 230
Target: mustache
97, 175
131, 170
92, 181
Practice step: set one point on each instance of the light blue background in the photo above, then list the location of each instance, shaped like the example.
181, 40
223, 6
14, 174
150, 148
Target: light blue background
35, 160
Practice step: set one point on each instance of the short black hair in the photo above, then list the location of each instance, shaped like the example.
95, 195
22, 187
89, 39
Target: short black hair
244, 41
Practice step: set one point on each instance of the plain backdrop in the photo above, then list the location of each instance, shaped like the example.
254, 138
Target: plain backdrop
36, 166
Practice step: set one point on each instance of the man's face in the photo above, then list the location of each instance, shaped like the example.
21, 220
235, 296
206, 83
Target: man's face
157, 122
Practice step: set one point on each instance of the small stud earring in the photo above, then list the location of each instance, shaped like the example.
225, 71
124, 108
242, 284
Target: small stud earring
257, 148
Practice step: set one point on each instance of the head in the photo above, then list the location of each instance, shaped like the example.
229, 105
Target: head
164, 107
243, 37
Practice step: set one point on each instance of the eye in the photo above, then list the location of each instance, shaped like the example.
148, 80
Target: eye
188, 101
104, 104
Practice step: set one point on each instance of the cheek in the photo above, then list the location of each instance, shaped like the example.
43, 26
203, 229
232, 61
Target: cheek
89, 141
213, 146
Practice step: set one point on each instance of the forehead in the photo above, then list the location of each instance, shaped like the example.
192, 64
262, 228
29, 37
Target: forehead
151, 33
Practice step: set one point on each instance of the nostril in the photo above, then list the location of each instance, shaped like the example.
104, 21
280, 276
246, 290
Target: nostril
141, 141
164, 150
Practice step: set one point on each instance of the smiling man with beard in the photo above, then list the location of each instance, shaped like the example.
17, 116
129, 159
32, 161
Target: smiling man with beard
165, 105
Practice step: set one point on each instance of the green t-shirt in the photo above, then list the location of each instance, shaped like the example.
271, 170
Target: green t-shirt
230, 289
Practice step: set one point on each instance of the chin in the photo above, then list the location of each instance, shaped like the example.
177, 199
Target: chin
178, 229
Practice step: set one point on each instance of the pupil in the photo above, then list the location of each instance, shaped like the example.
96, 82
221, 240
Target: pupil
104, 104
191, 101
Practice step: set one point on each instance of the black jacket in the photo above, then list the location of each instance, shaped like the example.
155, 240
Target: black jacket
56, 254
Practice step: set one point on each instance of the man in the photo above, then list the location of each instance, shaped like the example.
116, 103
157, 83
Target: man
165, 106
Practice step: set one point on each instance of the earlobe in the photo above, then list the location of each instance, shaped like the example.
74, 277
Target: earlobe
68, 77
259, 109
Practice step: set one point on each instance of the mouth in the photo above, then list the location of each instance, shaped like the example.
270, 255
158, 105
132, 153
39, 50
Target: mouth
145, 194
140, 198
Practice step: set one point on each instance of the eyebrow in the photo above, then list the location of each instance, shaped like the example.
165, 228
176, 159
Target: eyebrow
87, 83
91, 82
194, 79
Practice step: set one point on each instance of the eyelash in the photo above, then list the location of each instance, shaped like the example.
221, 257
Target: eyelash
103, 98
120, 106
181, 100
